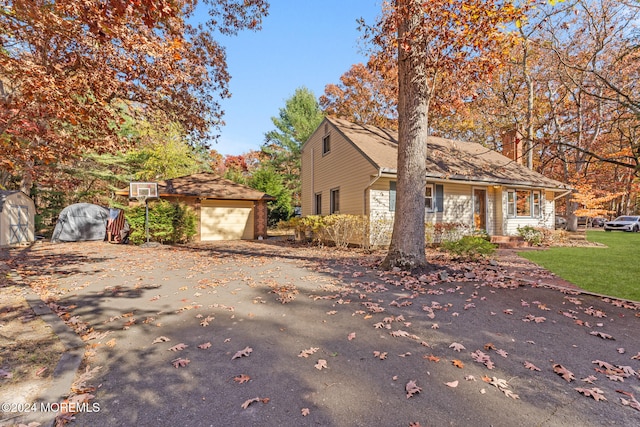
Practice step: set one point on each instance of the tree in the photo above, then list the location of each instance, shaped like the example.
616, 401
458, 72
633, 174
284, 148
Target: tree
267, 180
365, 95
439, 46
295, 123
68, 68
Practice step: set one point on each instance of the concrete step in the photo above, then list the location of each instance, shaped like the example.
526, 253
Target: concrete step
509, 242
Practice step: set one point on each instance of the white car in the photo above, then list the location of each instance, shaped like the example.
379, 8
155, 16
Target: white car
623, 223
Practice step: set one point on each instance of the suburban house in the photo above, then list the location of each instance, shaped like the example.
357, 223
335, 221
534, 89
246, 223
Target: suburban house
349, 168
226, 210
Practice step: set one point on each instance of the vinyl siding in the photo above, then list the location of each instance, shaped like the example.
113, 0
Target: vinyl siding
546, 219
343, 168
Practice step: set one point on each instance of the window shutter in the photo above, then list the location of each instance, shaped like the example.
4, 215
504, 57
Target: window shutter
439, 198
392, 196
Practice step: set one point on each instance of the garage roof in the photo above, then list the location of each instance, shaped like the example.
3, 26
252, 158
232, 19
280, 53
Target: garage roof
207, 186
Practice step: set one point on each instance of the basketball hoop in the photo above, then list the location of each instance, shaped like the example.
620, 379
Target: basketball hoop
141, 198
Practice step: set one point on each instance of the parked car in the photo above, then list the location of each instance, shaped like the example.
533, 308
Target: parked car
561, 222
583, 220
623, 223
598, 222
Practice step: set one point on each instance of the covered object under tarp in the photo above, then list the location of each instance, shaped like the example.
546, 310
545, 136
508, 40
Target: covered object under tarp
81, 221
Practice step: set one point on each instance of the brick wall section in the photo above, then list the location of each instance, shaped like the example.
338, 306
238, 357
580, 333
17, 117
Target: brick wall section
260, 220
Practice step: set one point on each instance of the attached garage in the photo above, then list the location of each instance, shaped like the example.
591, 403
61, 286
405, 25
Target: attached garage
226, 220
17, 218
226, 210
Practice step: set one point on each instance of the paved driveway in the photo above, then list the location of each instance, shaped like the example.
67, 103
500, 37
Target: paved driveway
264, 334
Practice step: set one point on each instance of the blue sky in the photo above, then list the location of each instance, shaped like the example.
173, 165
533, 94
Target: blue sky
303, 43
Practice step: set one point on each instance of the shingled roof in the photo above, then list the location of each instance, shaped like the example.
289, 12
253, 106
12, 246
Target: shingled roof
446, 159
208, 186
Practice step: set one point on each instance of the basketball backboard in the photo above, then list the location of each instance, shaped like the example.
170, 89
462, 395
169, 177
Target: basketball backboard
148, 190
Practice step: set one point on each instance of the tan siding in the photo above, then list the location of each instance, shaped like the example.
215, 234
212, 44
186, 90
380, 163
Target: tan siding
344, 167
458, 205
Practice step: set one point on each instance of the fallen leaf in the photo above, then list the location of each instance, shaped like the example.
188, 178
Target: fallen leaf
531, 366
305, 411
412, 388
380, 355
602, 335
594, 392
178, 347
457, 363
489, 346
248, 402
241, 379
245, 352
161, 339
321, 364
308, 352
457, 346
206, 320
502, 353
351, 336
452, 384
432, 358
563, 372
180, 362
205, 346
111, 342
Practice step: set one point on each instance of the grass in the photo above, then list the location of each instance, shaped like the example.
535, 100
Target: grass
613, 270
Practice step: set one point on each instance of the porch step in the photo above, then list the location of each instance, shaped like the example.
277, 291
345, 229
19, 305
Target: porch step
509, 242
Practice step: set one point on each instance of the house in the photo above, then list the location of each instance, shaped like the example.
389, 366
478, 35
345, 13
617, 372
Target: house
225, 210
17, 218
351, 169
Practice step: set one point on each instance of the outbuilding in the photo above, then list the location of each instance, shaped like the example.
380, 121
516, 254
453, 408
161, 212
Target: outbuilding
225, 209
17, 218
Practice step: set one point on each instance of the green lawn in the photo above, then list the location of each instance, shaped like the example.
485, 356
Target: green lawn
613, 271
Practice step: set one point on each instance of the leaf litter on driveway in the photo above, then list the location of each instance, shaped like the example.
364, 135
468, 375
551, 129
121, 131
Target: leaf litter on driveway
331, 295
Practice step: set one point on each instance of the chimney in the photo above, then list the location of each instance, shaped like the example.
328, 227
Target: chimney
512, 141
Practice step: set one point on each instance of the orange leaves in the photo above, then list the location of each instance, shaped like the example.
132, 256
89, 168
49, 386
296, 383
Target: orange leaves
457, 363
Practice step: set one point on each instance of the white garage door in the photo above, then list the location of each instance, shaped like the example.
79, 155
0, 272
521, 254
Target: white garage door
226, 220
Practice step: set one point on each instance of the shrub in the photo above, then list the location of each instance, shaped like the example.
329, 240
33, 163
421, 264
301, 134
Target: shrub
342, 229
470, 247
168, 222
378, 229
532, 235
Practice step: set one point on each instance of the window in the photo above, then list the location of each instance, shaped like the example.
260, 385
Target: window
524, 203
536, 204
318, 207
392, 196
326, 144
428, 198
334, 202
511, 203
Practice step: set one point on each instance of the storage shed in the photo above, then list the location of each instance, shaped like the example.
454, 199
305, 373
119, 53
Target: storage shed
17, 218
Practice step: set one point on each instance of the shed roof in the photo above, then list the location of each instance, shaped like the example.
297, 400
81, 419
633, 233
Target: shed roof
5, 194
206, 185
446, 159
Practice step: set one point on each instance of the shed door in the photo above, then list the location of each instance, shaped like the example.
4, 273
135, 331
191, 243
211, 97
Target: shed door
18, 224
226, 220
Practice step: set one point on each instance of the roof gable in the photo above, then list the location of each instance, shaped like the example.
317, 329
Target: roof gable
446, 159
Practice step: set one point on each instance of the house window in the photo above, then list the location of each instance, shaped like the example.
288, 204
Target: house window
326, 144
428, 198
318, 207
334, 202
523, 203
392, 196
511, 203
536, 204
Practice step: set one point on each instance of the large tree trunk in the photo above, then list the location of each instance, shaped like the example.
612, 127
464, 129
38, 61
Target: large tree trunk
407, 248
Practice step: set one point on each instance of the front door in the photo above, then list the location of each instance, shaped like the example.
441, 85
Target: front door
480, 208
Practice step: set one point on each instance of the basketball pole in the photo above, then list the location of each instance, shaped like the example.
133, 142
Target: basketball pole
146, 218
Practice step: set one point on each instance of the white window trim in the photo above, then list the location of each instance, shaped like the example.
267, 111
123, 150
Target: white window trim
532, 205
332, 208
433, 207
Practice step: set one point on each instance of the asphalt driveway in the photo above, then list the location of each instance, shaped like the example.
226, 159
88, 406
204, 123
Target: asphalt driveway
262, 334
